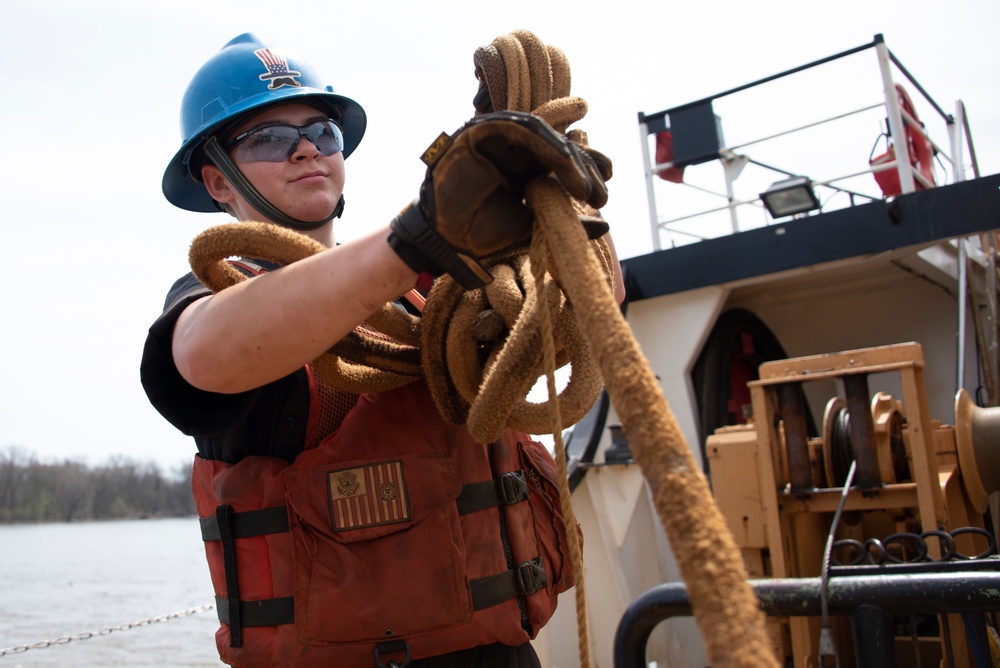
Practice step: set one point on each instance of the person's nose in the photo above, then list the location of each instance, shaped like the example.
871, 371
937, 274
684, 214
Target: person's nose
304, 150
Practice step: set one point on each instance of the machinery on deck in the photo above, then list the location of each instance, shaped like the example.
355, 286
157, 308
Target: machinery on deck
918, 495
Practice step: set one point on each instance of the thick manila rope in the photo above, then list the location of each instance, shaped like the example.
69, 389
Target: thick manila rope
381, 354
725, 606
488, 395
542, 278
525, 65
393, 348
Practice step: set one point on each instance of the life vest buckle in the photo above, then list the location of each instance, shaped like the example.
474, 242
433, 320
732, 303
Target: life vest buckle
513, 487
531, 576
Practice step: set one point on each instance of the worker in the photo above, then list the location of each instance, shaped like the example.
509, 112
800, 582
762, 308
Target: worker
343, 529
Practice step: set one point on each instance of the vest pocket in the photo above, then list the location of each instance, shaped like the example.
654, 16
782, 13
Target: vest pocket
378, 549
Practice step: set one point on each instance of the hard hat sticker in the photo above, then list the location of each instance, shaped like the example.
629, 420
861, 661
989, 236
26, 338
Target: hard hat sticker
277, 69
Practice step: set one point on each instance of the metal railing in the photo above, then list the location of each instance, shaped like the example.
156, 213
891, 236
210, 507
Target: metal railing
677, 225
869, 599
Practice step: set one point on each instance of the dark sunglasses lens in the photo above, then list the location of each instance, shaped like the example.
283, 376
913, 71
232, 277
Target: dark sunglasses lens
276, 143
270, 144
326, 136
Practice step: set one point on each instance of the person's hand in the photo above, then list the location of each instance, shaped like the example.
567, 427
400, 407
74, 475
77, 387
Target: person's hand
471, 203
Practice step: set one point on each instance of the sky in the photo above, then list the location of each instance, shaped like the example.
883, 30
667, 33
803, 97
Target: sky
90, 246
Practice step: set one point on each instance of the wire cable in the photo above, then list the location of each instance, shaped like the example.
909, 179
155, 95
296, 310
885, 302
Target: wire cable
826, 646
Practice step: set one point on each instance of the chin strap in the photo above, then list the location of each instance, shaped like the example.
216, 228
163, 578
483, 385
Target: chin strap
221, 159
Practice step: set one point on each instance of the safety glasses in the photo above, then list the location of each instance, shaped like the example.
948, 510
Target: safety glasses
277, 143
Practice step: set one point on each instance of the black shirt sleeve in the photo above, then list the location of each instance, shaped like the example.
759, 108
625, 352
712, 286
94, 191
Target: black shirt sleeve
269, 420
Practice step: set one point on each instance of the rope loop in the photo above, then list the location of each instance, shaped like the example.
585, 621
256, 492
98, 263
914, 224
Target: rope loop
380, 354
484, 382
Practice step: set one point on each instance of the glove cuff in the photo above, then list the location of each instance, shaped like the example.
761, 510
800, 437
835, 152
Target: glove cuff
413, 258
423, 249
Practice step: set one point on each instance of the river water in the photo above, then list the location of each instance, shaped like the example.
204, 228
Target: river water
67, 579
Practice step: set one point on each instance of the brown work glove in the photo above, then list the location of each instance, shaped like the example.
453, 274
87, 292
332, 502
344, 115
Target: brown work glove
471, 203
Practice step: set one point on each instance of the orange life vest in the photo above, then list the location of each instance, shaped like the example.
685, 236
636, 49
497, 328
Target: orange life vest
396, 536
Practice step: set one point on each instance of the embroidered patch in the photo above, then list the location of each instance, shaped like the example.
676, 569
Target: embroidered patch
368, 496
277, 73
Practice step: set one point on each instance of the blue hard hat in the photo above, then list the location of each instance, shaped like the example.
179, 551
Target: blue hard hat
246, 75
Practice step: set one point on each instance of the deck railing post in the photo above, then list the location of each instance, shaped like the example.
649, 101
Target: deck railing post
903, 167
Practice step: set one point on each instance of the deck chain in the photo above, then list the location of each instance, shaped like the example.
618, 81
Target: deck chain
86, 635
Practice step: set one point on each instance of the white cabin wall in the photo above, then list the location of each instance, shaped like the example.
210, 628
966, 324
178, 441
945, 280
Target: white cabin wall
671, 331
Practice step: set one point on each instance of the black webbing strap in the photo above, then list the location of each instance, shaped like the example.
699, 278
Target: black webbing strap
247, 524
268, 612
227, 527
523, 580
508, 489
224, 524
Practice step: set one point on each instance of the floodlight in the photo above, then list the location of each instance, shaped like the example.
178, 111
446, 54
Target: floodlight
789, 197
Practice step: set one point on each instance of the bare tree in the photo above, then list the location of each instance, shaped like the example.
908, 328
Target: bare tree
15, 462
70, 490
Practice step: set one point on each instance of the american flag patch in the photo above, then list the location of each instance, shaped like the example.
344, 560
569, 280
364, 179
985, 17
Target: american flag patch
368, 496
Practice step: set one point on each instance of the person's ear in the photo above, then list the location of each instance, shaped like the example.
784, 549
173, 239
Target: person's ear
218, 186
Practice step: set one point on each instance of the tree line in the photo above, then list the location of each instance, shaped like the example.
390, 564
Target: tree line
69, 490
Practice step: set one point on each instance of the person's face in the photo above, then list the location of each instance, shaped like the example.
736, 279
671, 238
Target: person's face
306, 186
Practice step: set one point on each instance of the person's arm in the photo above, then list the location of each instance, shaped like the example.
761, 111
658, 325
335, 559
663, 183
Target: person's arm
265, 328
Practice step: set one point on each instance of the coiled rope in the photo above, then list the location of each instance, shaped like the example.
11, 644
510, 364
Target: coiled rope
520, 73
474, 379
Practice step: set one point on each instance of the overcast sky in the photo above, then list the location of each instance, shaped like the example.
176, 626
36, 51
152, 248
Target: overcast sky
91, 103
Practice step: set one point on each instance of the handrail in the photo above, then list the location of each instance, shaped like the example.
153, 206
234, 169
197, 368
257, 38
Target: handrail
660, 114
948, 118
968, 139
878, 39
805, 127
901, 122
966, 588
